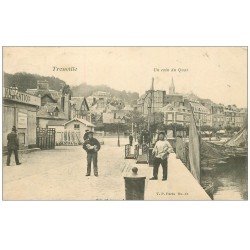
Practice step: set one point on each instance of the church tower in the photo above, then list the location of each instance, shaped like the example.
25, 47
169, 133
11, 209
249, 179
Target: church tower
172, 88
152, 86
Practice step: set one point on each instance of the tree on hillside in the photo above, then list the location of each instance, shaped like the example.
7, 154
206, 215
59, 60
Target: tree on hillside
26, 81
66, 90
87, 90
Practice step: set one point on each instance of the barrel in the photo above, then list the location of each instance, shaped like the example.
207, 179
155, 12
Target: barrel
134, 188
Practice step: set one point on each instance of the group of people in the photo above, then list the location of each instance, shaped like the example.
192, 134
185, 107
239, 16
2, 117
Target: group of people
160, 152
91, 145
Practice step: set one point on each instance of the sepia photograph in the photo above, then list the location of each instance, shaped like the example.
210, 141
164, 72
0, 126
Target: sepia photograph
125, 123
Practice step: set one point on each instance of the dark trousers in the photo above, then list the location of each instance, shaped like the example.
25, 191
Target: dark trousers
10, 150
130, 142
92, 157
164, 164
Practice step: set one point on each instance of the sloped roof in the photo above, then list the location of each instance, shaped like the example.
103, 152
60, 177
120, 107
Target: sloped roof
143, 96
42, 92
107, 107
55, 94
77, 101
170, 107
50, 96
198, 105
167, 107
46, 110
55, 123
96, 109
83, 121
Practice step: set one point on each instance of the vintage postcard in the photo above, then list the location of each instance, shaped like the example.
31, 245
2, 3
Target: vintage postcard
125, 123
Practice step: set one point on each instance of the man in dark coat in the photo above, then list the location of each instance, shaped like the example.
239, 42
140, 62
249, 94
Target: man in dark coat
13, 146
91, 146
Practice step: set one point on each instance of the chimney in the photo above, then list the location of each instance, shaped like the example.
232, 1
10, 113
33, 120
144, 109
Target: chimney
62, 102
42, 85
66, 107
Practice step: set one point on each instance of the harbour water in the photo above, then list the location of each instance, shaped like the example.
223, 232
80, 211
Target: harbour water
229, 179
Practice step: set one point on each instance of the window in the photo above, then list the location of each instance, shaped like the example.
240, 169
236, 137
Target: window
170, 117
76, 126
180, 117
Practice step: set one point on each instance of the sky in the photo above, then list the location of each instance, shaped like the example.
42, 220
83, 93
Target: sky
217, 73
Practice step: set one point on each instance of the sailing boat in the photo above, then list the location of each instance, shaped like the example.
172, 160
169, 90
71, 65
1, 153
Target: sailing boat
195, 149
235, 146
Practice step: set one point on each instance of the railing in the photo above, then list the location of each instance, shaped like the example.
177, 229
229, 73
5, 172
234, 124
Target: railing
128, 153
45, 138
137, 147
68, 138
142, 153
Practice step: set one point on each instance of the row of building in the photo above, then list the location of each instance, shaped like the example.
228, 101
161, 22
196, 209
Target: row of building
177, 108
42, 108
46, 108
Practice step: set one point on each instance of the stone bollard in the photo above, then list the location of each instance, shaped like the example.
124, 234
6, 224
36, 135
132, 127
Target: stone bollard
134, 186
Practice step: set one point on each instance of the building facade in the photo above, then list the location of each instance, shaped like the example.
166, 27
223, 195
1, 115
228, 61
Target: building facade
152, 101
55, 106
206, 112
50, 114
20, 110
99, 98
202, 114
79, 126
79, 108
179, 115
241, 118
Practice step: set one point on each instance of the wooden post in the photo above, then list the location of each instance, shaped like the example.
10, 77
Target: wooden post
118, 134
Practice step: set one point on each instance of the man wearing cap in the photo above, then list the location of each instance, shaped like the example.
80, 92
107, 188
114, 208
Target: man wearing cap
86, 134
161, 151
91, 146
13, 145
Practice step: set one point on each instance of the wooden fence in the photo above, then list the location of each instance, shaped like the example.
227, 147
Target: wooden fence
68, 138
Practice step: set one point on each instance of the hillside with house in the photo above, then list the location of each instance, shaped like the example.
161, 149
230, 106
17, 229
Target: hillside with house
25, 81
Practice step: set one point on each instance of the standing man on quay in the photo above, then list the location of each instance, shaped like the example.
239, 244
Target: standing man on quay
91, 145
161, 151
13, 146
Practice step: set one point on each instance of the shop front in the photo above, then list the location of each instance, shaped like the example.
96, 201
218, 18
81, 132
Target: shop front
19, 109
